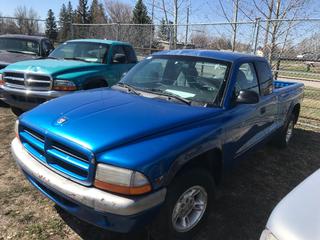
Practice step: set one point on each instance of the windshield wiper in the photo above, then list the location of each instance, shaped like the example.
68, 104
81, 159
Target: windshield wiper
169, 95
23, 52
129, 88
76, 58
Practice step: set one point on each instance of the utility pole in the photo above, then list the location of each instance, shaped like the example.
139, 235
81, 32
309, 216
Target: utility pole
235, 19
187, 27
175, 31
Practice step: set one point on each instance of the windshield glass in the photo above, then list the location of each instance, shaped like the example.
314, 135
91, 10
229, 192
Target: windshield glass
192, 78
19, 45
82, 51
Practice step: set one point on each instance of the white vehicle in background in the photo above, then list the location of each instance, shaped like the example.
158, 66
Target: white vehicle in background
297, 216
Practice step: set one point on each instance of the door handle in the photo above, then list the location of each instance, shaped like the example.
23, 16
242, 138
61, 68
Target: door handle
262, 110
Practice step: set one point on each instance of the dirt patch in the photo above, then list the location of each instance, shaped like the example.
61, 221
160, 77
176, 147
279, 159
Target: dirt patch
250, 193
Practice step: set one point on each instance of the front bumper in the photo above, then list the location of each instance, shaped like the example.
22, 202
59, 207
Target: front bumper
28, 99
103, 209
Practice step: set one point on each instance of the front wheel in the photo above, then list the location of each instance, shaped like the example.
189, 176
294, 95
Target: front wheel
188, 203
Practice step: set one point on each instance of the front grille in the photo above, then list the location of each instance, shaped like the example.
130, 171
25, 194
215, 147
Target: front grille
30, 81
67, 160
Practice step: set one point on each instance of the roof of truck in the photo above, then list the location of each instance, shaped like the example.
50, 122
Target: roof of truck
215, 54
21, 36
110, 42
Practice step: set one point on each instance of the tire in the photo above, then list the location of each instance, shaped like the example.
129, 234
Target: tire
284, 137
16, 111
171, 222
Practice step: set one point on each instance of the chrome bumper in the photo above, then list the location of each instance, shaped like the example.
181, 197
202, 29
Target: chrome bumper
25, 92
89, 196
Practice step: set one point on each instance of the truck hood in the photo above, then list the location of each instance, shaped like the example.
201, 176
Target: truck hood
52, 66
7, 58
102, 119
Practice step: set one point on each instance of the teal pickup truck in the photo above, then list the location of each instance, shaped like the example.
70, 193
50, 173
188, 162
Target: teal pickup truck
75, 65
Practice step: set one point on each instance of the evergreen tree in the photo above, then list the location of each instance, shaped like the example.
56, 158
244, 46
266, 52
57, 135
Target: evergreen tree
63, 23
164, 31
83, 12
97, 12
140, 14
70, 13
51, 26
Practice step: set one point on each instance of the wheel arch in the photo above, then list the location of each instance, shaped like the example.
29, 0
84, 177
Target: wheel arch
94, 82
211, 160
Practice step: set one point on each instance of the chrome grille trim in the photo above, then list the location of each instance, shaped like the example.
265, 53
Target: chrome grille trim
28, 80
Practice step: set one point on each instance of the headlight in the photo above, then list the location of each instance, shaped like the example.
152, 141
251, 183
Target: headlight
16, 128
120, 180
267, 235
64, 85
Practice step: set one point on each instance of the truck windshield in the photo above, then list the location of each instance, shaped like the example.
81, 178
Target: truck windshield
191, 78
81, 51
18, 45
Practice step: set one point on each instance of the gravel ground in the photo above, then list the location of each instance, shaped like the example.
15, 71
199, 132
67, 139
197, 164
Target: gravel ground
250, 193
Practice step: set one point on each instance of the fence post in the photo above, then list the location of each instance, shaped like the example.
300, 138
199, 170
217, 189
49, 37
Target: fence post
118, 31
257, 26
72, 30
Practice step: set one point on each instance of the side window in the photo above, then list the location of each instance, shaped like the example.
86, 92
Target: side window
131, 56
247, 79
265, 78
119, 55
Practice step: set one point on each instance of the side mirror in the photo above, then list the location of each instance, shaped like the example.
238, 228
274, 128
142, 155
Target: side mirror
247, 97
119, 58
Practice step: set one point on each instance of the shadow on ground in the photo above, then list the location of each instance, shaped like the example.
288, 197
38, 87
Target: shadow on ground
249, 194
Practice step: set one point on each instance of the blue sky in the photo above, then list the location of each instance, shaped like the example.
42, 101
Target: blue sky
202, 10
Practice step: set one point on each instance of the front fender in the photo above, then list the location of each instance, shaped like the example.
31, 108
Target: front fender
161, 156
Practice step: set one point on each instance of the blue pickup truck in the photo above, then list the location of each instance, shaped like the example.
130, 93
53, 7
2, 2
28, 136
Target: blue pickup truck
161, 140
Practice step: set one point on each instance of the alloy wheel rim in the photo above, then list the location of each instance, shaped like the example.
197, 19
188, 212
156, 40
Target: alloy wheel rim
189, 209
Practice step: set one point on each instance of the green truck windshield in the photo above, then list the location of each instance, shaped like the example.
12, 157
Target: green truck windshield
82, 51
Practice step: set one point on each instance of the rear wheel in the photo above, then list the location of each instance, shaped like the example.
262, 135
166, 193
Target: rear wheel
188, 203
283, 139
16, 111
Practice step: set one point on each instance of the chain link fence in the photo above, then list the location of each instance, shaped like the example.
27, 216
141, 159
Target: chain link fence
12, 25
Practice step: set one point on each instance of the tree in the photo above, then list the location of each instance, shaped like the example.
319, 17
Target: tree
97, 12
64, 25
118, 12
83, 15
140, 14
51, 26
27, 22
164, 30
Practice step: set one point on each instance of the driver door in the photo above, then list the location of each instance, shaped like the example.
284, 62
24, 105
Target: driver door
244, 129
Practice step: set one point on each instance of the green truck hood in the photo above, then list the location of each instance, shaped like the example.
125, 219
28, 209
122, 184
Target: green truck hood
54, 67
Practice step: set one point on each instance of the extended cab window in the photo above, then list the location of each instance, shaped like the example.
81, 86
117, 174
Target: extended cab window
247, 79
265, 78
119, 55
130, 54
